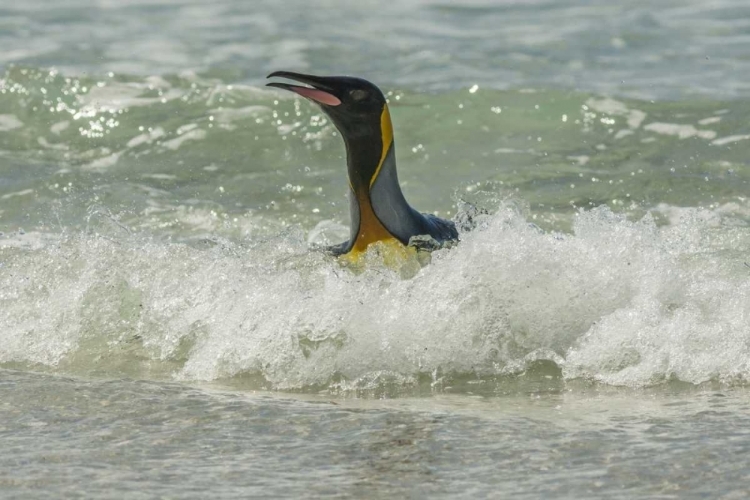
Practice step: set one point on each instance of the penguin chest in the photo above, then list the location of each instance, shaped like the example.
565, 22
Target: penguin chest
371, 230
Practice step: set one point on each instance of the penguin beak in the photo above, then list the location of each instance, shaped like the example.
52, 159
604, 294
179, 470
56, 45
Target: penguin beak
319, 91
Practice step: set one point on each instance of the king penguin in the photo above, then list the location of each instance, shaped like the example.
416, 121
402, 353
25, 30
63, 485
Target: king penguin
379, 212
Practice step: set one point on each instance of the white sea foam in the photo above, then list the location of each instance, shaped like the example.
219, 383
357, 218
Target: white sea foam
620, 302
681, 131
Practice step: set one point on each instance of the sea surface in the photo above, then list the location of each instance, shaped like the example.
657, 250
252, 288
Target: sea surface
169, 327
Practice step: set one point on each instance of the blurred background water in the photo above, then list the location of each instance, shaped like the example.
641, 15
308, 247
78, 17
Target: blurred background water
591, 337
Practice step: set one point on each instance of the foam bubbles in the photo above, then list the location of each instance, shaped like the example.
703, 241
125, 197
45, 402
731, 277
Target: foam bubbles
616, 301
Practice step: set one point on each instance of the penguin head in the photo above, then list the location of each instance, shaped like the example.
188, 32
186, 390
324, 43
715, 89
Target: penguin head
355, 106
359, 111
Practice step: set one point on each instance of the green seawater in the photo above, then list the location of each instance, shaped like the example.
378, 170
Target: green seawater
168, 328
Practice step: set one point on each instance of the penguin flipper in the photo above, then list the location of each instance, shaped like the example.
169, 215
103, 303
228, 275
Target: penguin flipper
442, 230
339, 249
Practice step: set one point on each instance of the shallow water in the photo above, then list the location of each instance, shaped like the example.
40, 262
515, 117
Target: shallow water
142, 439
163, 311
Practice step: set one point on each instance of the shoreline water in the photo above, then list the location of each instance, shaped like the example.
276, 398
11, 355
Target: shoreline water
166, 330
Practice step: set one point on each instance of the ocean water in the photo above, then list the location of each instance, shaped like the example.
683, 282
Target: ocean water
168, 328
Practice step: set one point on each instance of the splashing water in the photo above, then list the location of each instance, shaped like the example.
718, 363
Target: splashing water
621, 302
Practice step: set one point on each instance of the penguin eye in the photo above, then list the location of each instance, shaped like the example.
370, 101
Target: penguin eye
358, 95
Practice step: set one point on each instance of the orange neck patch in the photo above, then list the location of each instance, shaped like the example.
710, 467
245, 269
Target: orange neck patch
386, 134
